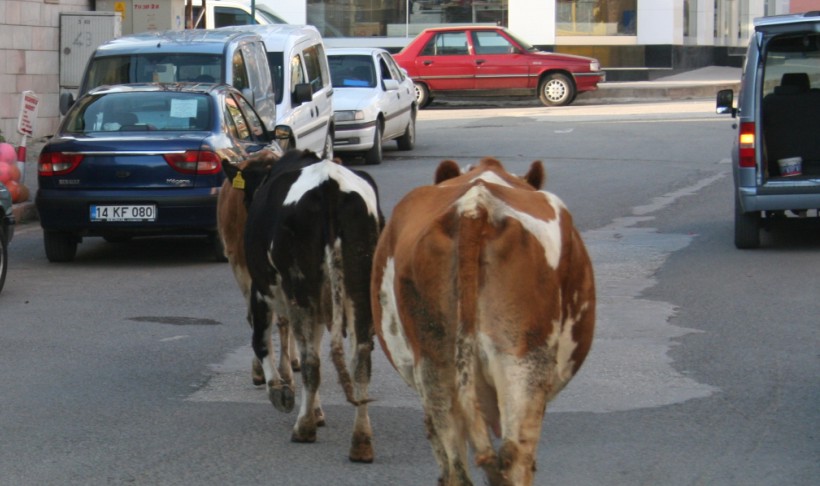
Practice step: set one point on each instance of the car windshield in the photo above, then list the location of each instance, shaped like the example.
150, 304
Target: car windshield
352, 71
139, 111
521, 42
276, 61
154, 68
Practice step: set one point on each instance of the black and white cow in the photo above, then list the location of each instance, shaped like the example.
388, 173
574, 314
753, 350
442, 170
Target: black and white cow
311, 232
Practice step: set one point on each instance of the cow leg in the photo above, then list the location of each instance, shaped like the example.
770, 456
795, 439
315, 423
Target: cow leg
361, 447
285, 348
279, 393
309, 337
444, 425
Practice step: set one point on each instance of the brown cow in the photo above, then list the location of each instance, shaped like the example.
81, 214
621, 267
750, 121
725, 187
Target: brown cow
232, 216
484, 301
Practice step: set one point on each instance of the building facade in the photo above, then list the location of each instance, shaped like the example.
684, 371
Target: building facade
634, 39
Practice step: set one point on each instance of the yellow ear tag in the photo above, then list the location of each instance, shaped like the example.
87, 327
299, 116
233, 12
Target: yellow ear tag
238, 181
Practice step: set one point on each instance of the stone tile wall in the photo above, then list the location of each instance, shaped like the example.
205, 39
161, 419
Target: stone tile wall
29, 60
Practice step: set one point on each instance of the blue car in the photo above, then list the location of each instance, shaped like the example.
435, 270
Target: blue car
143, 159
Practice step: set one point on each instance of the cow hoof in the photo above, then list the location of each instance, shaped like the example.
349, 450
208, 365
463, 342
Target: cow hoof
282, 397
320, 416
257, 374
304, 435
361, 449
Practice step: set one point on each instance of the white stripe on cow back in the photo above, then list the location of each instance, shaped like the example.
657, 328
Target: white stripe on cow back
392, 329
315, 174
548, 233
491, 177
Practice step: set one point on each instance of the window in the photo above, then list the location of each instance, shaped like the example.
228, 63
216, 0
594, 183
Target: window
596, 17
240, 72
239, 127
491, 43
447, 44
315, 75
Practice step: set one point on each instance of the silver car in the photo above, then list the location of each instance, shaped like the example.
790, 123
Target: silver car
776, 157
373, 101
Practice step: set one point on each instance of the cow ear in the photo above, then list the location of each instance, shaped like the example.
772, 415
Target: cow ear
447, 169
536, 175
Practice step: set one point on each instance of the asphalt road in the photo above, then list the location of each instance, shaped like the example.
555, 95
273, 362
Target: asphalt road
131, 364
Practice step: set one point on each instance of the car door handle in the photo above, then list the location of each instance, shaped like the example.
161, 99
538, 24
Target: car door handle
480, 61
427, 63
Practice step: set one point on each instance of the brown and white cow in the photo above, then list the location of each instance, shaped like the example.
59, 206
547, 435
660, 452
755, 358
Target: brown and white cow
310, 235
484, 302
231, 218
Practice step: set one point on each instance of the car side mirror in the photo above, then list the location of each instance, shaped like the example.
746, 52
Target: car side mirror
283, 134
390, 84
725, 102
66, 100
302, 93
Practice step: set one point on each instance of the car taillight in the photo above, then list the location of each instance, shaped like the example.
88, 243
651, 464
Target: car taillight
195, 162
57, 163
746, 142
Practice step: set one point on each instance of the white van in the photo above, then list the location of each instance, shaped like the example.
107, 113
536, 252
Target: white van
222, 13
301, 79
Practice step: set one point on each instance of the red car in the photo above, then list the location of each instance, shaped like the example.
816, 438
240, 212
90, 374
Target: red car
478, 60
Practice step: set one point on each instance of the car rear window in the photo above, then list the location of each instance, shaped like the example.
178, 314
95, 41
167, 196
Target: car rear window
352, 71
142, 111
154, 68
792, 64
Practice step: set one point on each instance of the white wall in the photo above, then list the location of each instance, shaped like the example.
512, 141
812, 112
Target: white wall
294, 11
533, 20
660, 21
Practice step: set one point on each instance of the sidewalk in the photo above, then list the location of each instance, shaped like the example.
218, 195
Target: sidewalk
695, 84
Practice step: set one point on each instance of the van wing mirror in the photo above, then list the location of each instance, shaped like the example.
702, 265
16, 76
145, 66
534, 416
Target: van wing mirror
725, 102
302, 93
283, 135
66, 100
390, 85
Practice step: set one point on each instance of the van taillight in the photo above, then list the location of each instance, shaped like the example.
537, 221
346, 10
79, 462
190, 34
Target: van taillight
195, 162
57, 163
746, 157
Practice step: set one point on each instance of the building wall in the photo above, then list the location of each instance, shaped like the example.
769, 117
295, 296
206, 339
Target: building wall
29, 60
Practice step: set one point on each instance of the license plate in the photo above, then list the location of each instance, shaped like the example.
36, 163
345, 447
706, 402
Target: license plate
124, 212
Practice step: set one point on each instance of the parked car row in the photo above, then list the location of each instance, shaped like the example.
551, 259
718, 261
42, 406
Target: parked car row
140, 151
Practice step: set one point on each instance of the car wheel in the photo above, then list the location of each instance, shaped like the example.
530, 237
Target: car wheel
408, 139
422, 95
747, 227
4, 255
60, 246
556, 90
217, 247
374, 155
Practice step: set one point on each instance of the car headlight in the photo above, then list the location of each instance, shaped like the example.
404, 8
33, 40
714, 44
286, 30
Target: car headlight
349, 115
595, 66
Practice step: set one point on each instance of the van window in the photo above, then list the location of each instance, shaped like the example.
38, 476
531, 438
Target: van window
297, 73
313, 63
150, 68
224, 16
240, 71
276, 61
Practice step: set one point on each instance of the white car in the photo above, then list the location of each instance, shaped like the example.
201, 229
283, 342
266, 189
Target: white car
373, 101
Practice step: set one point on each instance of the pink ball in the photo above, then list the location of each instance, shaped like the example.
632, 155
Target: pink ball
7, 153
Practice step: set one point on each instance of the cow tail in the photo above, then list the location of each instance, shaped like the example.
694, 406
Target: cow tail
337, 350
472, 225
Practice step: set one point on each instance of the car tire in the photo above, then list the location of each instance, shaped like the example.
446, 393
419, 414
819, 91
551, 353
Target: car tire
556, 89
422, 95
374, 155
408, 139
60, 246
747, 227
4, 257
